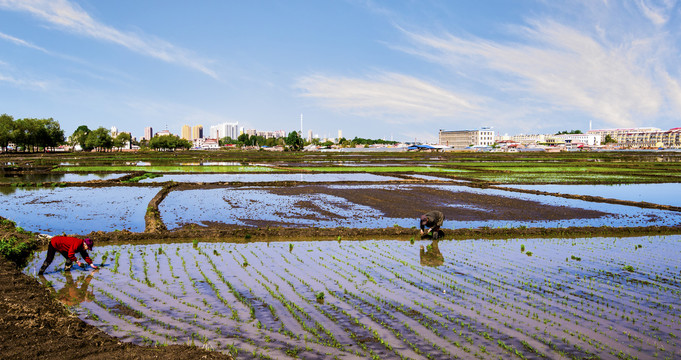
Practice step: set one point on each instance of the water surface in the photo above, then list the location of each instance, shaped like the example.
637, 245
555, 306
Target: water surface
663, 194
78, 210
588, 298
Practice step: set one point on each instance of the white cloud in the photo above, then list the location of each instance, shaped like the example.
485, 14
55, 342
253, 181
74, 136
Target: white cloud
556, 64
21, 42
658, 14
24, 83
71, 17
391, 94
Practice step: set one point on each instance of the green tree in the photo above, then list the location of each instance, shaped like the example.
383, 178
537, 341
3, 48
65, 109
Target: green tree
48, 134
294, 141
227, 140
6, 129
608, 140
80, 136
22, 133
169, 142
99, 139
121, 139
569, 132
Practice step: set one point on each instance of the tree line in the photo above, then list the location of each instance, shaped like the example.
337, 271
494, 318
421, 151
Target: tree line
30, 134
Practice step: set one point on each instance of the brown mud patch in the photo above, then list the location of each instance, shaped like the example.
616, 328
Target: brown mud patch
461, 206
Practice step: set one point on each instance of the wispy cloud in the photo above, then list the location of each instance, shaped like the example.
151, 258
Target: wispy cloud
21, 42
23, 82
390, 95
657, 12
561, 66
71, 17
617, 64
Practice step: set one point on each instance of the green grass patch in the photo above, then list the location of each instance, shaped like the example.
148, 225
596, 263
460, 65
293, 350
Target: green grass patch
142, 177
372, 169
168, 169
17, 251
561, 178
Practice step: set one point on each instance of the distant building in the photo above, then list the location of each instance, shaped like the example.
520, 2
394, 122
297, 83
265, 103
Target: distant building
309, 135
637, 138
148, 133
340, 134
586, 139
114, 131
529, 139
460, 139
163, 133
225, 130
197, 132
186, 132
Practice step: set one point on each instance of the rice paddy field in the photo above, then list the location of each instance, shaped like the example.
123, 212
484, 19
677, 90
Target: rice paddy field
530, 298
491, 295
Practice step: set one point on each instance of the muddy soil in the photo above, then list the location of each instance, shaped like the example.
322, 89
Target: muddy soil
461, 206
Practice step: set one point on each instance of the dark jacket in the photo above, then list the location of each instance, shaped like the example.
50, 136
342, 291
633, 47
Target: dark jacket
432, 219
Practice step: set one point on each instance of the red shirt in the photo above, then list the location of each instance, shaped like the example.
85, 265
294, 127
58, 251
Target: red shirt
69, 246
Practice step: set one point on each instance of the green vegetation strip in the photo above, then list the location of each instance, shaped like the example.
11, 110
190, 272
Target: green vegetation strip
378, 169
168, 169
560, 178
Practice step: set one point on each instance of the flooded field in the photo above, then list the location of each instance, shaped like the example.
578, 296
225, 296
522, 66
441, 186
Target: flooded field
266, 177
381, 206
55, 177
665, 194
78, 210
531, 298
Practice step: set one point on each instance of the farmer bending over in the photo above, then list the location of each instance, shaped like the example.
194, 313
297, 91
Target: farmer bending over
68, 246
432, 220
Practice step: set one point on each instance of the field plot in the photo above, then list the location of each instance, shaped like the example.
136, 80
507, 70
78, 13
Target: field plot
381, 206
531, 298
267, 177
664, 194
78, 210
54, 177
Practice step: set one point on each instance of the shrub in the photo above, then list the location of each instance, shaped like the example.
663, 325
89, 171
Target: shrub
17, 251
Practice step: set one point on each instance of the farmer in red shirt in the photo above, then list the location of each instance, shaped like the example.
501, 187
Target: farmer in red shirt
68, 246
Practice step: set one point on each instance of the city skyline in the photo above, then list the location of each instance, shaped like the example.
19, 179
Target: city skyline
383, 70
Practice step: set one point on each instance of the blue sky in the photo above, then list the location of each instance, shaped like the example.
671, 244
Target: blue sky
399, 69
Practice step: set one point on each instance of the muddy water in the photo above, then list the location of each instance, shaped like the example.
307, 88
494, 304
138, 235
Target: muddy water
664, 194
582, 297
208, 178
336, 206
78, 210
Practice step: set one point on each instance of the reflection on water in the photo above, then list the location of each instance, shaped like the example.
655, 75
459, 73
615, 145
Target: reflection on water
258, 206
203, 293
52, 177
77, 210
663, 194
431, 255
73, 292
266, 177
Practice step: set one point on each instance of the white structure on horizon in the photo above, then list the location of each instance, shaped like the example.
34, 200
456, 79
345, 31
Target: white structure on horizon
225, 130
460, 139
114, 131
586, 139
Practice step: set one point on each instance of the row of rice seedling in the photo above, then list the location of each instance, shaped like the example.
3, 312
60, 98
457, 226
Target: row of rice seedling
530, 298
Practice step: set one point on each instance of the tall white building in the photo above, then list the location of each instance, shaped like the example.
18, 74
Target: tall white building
225, 130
